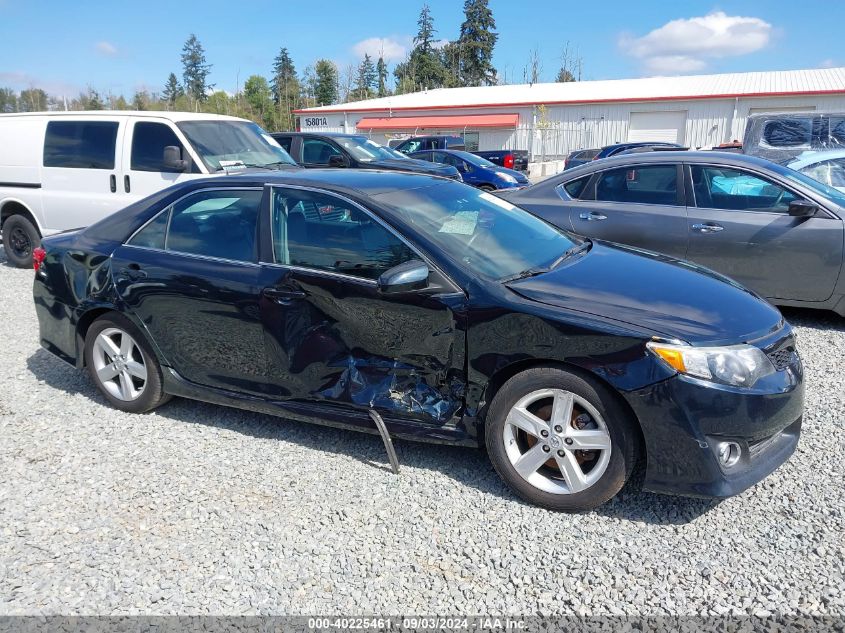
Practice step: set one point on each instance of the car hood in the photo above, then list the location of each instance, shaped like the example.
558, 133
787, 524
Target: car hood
672, 298
412, 164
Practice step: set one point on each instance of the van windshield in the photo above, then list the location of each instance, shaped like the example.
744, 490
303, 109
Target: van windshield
226, 145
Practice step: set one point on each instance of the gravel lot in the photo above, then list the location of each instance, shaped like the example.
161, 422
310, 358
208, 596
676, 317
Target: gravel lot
200, 509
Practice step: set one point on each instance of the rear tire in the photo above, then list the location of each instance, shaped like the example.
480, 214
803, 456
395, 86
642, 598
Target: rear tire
20, 237
122, 365
560, 440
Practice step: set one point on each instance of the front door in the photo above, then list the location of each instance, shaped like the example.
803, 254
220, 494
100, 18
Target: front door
640, 205
333, 337
741, 227
190, 277
144, 171
81, 170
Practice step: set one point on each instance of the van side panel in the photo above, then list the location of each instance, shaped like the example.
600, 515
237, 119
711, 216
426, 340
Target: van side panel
21, 146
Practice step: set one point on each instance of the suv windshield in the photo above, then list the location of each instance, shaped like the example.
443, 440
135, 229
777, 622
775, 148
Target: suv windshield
364, 149
486, 234
234, 145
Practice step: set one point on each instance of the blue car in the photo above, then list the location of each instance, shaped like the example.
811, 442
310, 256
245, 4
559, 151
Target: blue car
476, 171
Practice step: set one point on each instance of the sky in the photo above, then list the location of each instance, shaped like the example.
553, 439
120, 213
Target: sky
120, 47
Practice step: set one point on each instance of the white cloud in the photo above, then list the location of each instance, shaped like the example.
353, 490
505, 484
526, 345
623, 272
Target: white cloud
688, 44
23, 81
391, 48
106, 49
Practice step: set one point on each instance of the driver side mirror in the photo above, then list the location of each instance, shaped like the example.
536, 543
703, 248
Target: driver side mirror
412, 275
336, 160
173, 159
802, 209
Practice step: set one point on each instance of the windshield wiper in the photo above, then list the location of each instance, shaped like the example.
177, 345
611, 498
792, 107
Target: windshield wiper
575, 250
529, 272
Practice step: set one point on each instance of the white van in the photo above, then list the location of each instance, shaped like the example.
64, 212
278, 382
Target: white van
66, 170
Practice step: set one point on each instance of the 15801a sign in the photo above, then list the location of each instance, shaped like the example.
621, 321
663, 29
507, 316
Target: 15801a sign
314, 121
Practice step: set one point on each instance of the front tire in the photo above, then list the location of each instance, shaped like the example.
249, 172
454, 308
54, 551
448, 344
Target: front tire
560, 440
20, 237
122, 365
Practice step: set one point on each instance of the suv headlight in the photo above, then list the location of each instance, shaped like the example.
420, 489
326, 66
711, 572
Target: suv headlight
737, 365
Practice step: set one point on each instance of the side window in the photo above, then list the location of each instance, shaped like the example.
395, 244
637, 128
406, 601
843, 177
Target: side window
148, 143
80, 144
219, 223
409, 147
153, 235
837, 132
449, 159
316, 151
285, 142
649, 184
796, 132
736, 190
574, 188
316, 230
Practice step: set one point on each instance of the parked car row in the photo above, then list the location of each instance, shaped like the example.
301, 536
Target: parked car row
564, 325
507, 158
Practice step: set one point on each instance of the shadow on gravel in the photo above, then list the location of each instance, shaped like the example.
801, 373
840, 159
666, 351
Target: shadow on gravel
818, 319
467, 466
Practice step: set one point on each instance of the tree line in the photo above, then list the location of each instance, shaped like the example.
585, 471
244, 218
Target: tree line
431, 63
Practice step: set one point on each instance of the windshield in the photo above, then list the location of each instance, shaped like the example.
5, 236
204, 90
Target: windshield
486, 234
473, 159
828, 172
822, 189
234, 145
364, 149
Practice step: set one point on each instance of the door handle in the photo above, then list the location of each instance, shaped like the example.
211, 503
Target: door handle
592, 216
126, 186
283, 296
708, 227
113, 183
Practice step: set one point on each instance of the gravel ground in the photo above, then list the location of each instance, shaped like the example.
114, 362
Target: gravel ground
200, 509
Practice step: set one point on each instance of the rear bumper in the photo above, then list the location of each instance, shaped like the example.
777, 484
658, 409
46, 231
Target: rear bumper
684, 421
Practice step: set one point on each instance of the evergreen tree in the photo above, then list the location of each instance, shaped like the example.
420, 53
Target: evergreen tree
366, 78
285, 88
381, 72
325, 82
476, 43
8, 100
172, 90
195, 70
424, 68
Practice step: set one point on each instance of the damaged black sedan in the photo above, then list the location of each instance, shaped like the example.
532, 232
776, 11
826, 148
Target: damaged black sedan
432, 311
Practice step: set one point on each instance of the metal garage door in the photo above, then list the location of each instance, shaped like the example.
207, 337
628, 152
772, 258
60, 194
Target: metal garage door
657, 126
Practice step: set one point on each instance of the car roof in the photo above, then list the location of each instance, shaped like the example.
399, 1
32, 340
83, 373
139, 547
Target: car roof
710, 156
366, 181
326, 134
811, 158
640, 144
176, 117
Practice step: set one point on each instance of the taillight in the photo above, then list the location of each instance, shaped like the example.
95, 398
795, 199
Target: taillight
38, 256
508, 161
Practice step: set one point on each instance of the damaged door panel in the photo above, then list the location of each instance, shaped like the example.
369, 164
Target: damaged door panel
338, 339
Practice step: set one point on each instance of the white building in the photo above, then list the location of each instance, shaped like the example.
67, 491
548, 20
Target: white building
553, 119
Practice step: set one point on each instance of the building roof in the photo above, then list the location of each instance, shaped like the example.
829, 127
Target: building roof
754, 84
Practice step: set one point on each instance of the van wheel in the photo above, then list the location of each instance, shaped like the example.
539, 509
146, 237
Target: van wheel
560, 440
20, 237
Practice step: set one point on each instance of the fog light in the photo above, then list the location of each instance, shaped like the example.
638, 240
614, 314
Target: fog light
729, 453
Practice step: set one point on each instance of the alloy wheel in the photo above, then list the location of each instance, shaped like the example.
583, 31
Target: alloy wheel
119, 364
557, 441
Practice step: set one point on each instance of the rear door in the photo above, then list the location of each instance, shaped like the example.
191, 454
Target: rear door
740, 226
640, 204
144, 171
81, 169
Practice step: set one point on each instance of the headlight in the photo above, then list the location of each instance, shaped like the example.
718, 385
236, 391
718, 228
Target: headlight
508, 178
737, 365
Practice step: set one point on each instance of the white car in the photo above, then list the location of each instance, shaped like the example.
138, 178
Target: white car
66, 170
827, 167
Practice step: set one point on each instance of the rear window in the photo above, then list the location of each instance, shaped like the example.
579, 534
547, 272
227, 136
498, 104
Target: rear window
788, 132
80, 144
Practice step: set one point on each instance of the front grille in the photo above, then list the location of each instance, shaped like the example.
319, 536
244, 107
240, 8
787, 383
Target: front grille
783, 358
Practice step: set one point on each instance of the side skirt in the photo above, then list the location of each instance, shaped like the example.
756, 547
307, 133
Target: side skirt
326, 414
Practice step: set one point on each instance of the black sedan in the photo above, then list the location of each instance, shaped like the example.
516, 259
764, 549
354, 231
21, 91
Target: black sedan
773, 229
438, 312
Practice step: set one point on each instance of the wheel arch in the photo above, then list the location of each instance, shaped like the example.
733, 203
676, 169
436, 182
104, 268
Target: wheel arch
82, 326
500, 377
14, 206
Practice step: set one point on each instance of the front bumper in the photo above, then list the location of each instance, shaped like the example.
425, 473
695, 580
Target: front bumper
684, 420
